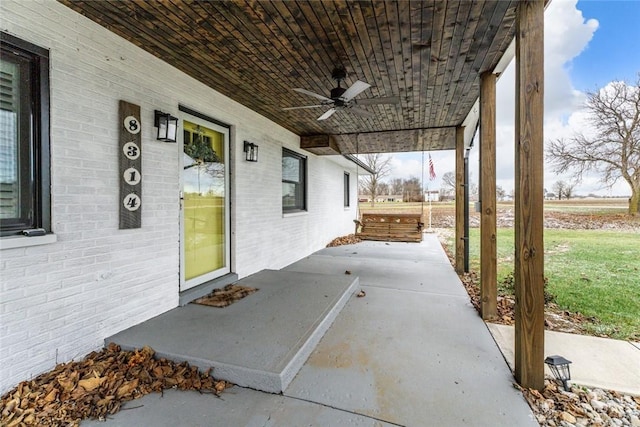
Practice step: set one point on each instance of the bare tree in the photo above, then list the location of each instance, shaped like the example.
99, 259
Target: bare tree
381, 166
444, 193
500, 193
384, 188
614, 148
568, 190
412, 190
396, 186
449, 180
448, 186
473, 190
559, 187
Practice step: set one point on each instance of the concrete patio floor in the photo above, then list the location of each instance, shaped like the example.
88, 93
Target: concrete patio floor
412, 352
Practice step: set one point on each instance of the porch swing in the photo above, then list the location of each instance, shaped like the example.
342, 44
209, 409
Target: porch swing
390, 227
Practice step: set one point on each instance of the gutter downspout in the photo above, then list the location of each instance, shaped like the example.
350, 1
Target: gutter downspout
465, 238
466, 211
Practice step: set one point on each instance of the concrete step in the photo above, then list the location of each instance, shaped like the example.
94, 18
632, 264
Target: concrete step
261, 341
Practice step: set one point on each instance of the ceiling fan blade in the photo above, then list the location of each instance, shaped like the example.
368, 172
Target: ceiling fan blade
327, 114
381, 100
355, 90
315, 95
361, 112
304, 106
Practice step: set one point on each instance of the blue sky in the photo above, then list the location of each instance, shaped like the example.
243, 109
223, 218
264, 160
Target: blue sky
614, 51
587, 45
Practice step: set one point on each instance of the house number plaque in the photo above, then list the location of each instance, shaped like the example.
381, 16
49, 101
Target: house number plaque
130, 166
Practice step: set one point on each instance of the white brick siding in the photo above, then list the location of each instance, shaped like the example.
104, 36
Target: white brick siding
59, 301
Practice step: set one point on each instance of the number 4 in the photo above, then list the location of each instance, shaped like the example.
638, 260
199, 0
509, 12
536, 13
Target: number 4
131, 202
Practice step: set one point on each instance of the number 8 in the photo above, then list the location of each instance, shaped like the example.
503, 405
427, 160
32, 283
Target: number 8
131, 124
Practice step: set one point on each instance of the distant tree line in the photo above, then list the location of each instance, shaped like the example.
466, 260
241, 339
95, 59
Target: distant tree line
375, 185
410, 189
562, 190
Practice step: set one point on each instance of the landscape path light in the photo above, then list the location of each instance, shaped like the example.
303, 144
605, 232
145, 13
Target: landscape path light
560, 369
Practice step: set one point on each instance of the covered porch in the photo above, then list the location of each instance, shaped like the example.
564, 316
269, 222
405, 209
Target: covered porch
413, 351
426, 71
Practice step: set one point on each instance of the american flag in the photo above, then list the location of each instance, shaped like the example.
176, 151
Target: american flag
432, 171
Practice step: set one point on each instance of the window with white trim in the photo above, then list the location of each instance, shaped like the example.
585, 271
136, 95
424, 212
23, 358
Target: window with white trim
294, 181
346, 190
24, 137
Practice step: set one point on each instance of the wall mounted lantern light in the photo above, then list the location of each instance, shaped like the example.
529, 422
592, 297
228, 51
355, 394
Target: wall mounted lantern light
167, 126
250, 151
560, 369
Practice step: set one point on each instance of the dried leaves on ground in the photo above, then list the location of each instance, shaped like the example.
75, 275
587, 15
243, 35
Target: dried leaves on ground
556, 319
97, 387
225, 296
349, 239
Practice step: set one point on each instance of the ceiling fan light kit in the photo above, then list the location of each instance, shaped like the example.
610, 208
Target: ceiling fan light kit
341, 98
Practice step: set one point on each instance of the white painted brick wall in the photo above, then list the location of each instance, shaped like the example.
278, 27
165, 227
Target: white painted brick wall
59, 301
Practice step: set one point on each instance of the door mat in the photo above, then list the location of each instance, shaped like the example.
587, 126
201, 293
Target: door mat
225, 296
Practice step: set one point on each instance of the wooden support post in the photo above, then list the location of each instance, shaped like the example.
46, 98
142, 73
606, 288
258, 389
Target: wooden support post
488, 250
459, 200
529, 176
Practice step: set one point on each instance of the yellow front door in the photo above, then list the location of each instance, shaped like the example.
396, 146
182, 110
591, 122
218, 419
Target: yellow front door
205, 211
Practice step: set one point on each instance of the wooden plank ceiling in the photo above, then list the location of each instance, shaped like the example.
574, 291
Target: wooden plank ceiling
428, 53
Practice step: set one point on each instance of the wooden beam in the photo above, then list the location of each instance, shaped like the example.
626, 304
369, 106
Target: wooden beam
397, 141
460, 199
529, 250
488, 250
321, 145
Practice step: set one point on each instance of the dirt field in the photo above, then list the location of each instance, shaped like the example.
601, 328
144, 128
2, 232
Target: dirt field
589, 214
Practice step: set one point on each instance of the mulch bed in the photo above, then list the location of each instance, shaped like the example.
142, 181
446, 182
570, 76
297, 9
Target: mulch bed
97, 387
556, 319
225, 296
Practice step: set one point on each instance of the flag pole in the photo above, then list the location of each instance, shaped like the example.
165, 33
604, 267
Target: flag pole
430, 230
432, 176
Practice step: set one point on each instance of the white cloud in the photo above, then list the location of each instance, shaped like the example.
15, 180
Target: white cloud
405, 167
566, 35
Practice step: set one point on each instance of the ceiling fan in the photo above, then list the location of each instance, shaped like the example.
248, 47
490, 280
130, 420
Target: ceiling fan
343, 98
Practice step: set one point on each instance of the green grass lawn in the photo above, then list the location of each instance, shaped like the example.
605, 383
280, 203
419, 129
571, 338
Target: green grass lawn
596, 273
